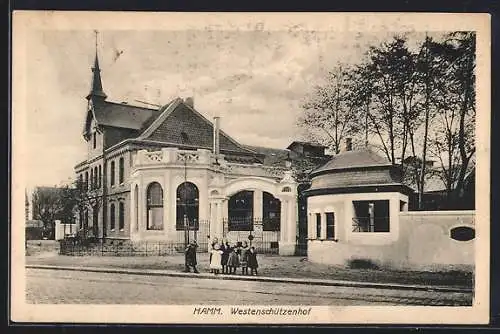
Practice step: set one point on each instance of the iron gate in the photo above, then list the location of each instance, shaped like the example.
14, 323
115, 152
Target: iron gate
257, 232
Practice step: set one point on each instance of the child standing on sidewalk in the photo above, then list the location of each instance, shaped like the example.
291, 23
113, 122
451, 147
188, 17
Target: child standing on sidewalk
244, 258
252, 261
233, 261
226, 249
215, 260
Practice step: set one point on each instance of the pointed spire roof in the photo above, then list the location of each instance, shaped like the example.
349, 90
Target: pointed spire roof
96, 87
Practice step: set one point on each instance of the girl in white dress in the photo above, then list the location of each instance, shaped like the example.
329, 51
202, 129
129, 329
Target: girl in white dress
216, 259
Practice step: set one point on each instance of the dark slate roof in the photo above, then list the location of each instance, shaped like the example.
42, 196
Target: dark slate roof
124, 115
304, 143
353, 159
182, 124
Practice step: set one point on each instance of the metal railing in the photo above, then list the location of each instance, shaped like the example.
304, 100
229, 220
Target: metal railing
115, 247
251, 224
370, 224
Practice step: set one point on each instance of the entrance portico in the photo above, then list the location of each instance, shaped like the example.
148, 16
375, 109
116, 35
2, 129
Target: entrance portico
231, 201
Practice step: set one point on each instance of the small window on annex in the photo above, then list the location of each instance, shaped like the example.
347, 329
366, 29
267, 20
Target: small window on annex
330, 225
154, 207
318, 226
371, 216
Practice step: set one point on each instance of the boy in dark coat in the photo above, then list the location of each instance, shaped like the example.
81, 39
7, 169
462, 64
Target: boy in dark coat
191, 257
252, 261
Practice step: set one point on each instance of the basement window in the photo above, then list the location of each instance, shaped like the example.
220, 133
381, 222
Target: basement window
371, 216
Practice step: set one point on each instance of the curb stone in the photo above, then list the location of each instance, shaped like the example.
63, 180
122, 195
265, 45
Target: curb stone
319, 282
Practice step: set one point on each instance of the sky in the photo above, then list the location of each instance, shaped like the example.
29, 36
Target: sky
253, 80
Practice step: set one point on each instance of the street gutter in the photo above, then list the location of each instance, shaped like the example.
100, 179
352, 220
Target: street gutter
319, 282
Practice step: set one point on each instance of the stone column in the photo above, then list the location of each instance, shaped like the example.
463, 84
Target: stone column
257, 204
220, 217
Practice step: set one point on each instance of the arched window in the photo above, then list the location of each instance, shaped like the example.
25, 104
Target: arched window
155, 206
187, 206
121, 167
112, 176
95, 220
85, 223
112, 220
91, 178
136, 196
271, 210
99, 183
86, 187
240, 211
96, 178
121, 216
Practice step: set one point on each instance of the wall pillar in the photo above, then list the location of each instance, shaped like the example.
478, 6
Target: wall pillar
216, 218
132, 212
345, 223
288, 230
310, 221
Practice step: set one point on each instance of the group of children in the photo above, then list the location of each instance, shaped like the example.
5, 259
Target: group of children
226, 258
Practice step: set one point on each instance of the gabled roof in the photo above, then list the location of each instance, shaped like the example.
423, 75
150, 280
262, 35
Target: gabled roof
180, 123
120, 115
353, 159
123, 115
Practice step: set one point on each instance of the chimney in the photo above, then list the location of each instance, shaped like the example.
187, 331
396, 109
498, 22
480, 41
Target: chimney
348, 144
216, 135
189, 101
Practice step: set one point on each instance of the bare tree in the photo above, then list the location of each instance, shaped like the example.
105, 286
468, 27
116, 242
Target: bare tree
88, 200
329, 114
392, 71
454, 144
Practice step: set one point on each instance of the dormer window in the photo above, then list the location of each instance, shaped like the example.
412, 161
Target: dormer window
184, 137
94, 140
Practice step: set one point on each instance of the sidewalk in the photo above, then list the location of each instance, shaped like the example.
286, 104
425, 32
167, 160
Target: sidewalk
271, 268
320, 282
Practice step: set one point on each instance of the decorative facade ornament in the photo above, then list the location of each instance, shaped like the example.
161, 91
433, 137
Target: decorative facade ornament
288, 177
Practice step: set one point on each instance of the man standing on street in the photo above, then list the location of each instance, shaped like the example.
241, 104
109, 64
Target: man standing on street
191, 257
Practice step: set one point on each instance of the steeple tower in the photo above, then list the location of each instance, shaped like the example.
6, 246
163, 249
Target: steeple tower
96, 92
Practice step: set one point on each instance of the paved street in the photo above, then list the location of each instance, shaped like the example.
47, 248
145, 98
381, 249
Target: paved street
75, 287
